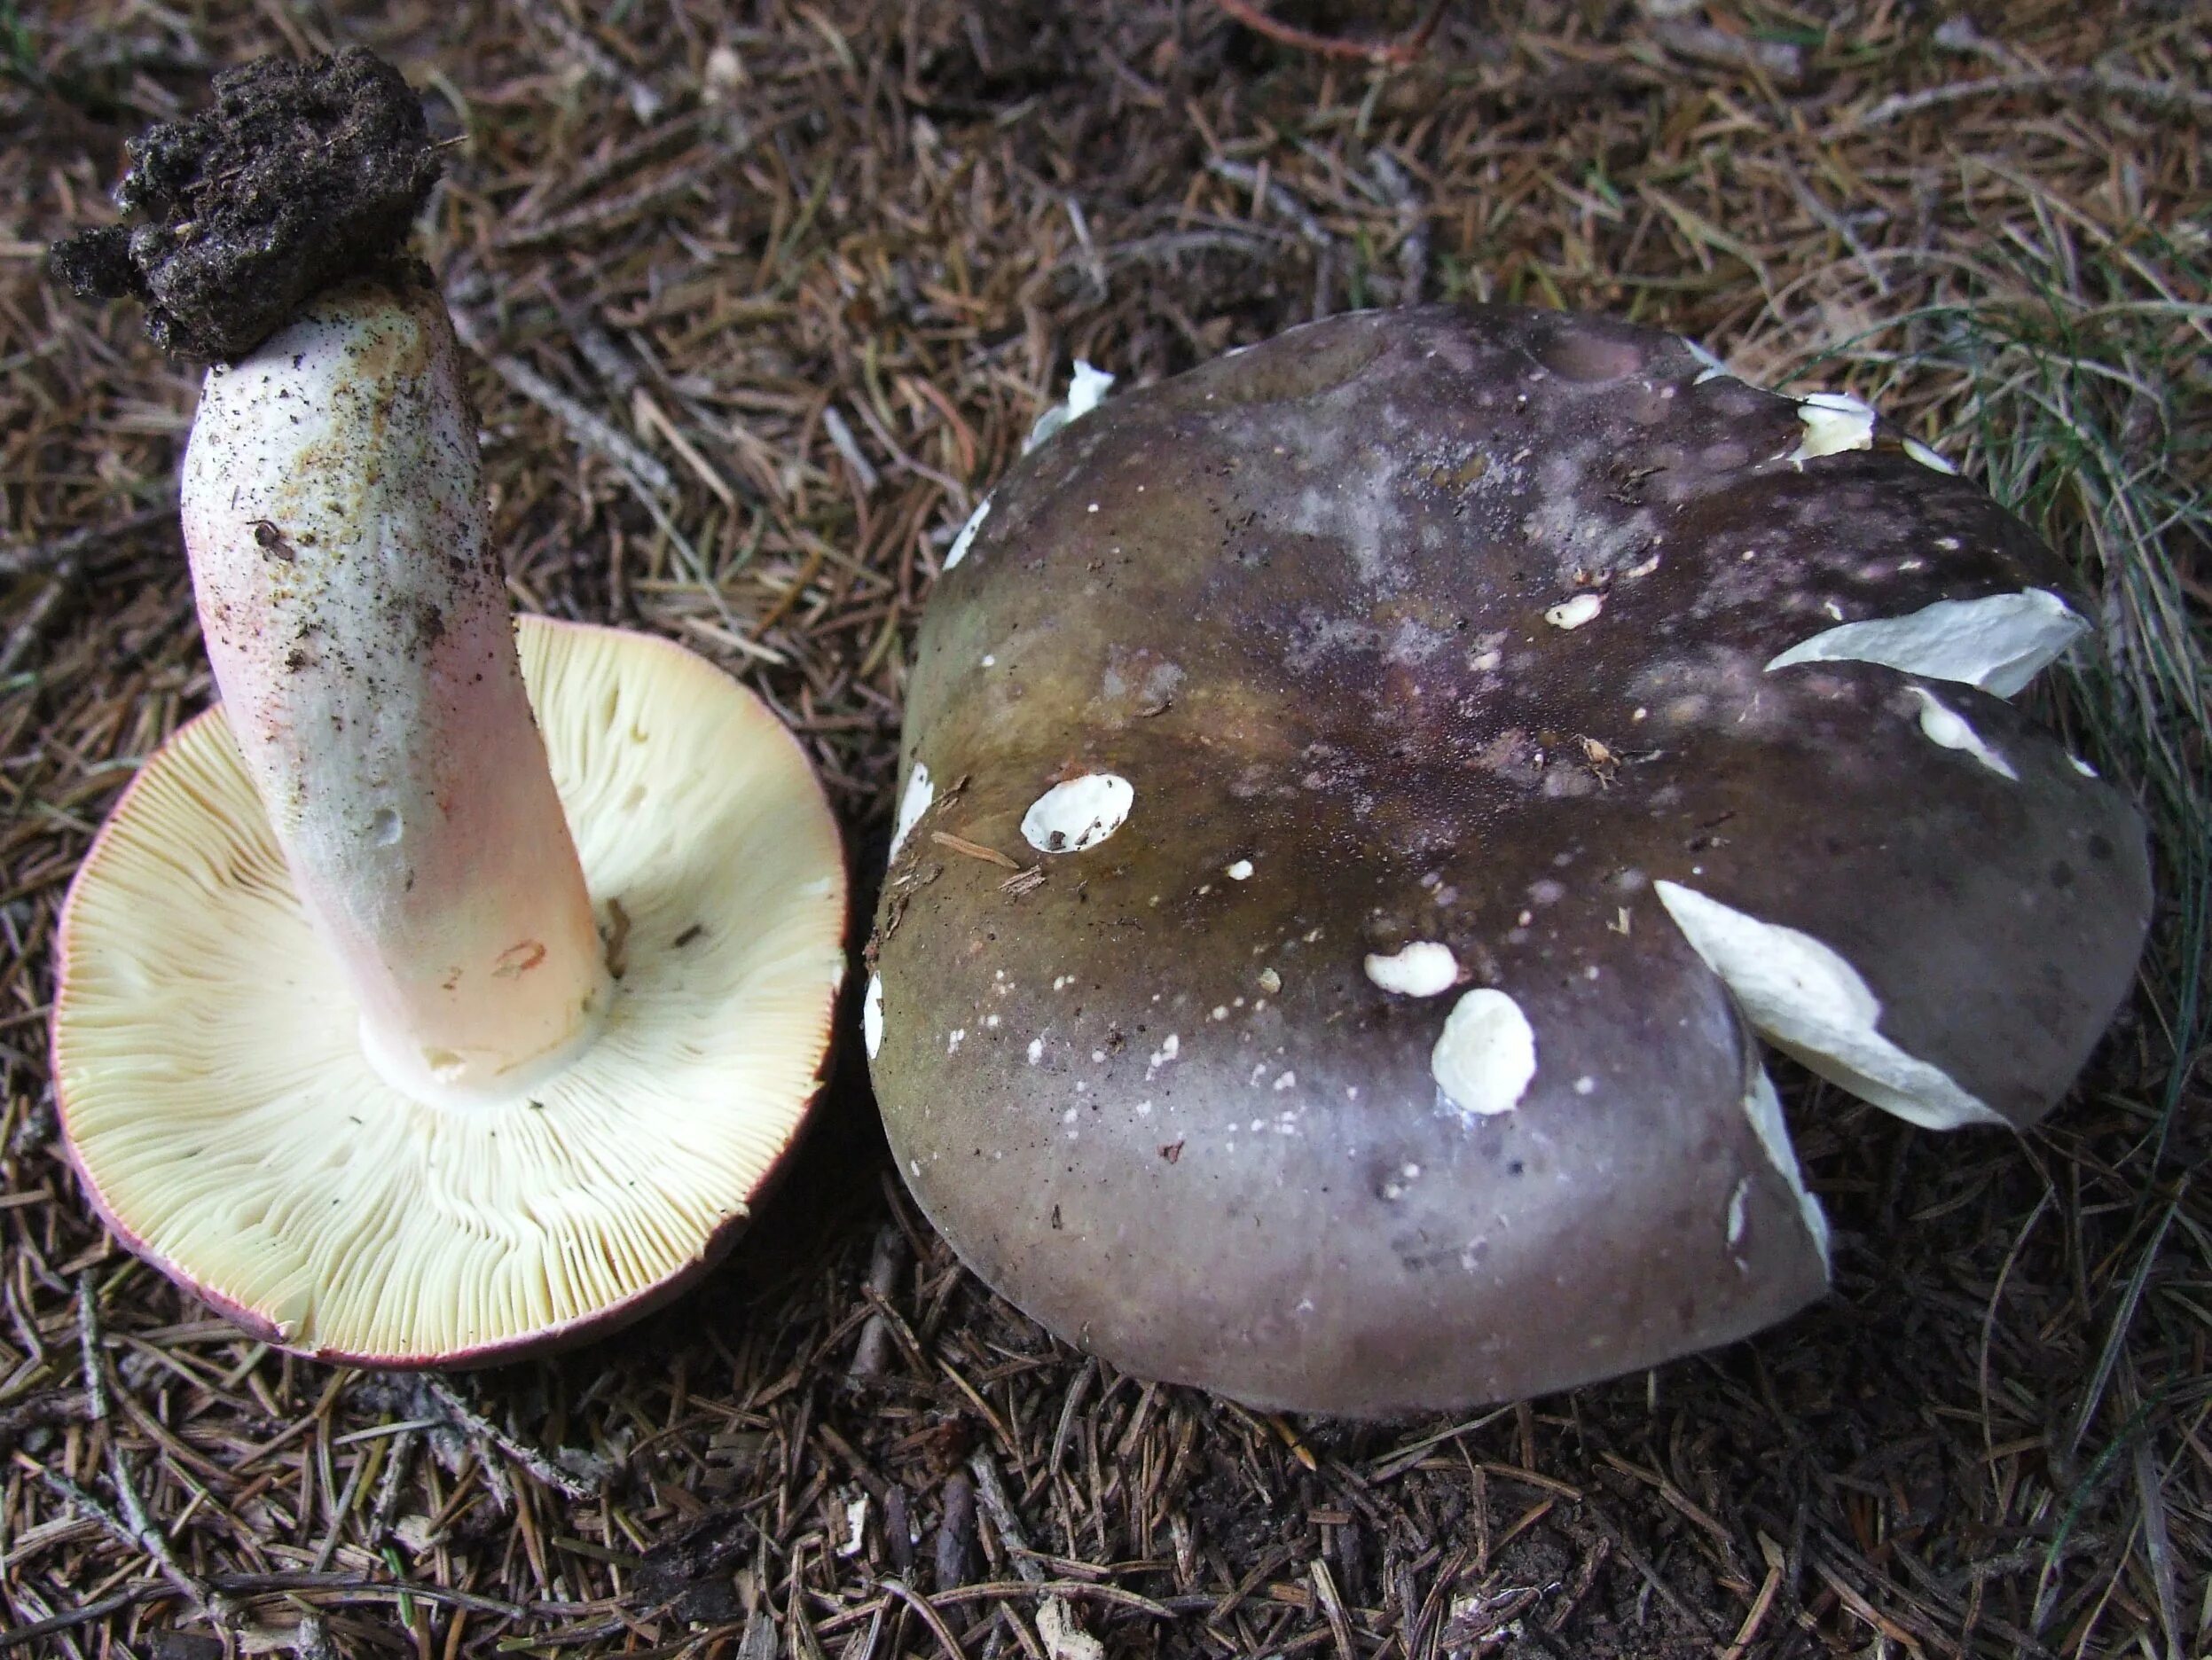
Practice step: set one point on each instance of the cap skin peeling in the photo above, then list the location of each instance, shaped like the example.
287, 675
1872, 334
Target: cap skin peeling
1763, 1108
1446, 960
1078, 814
1928, 458
1999, 642
1419, 970
913, 803
1834, 422
1808, 1002
1485, 1056
966, 539
1946, 727
1087, 389
1710, 367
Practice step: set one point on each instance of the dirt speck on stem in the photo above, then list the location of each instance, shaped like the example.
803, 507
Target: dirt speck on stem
300, 174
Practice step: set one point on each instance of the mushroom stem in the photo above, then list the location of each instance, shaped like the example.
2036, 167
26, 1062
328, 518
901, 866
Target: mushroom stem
356, 619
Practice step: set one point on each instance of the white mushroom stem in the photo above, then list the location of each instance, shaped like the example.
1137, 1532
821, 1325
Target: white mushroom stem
357, 624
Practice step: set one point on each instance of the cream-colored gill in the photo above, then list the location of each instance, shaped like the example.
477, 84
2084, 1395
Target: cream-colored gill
216, 1095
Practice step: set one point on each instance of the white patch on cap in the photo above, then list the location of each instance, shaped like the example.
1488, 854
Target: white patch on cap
1948, 728
1421, 970
1928, 458
1713, 368
1999, 642
1241, 871
1485, 1055
2083, 767
1078, 814
872, 1015
1763, 1108
914, 801
1085, 388
967, 537
1573, 612
1834, 422
1807, 1001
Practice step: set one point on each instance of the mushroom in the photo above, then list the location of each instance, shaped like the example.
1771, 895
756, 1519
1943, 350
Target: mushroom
1458, 736
440, 994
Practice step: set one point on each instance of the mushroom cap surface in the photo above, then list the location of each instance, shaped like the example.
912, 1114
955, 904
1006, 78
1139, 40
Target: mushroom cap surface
1417, 815
221, 1114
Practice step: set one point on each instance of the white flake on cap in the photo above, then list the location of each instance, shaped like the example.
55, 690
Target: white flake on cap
872, 1015
1573, 612
1713, 368
1999, 642
1085, 388
1485, 1055
1807, 1001
1834, 422
1241, 871
1948, 728
967, 537
1421, 970
1080, 813
1763, 1108
914, 801
1928, 458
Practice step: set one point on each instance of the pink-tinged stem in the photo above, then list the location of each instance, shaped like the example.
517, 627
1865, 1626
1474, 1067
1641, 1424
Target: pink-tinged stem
357, 624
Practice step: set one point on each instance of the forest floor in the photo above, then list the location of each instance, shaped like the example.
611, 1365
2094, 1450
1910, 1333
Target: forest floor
762, 303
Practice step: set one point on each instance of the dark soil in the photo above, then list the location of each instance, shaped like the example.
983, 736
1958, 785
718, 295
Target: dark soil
296, 177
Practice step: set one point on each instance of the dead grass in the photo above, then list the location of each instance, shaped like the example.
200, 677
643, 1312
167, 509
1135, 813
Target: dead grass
767, 299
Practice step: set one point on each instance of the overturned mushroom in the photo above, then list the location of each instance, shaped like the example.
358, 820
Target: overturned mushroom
1566, 718
433, 999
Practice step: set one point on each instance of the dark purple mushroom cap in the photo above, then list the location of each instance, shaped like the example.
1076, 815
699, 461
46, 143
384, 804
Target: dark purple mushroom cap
1433, 743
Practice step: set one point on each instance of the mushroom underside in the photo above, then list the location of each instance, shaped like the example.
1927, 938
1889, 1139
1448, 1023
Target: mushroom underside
220, 1108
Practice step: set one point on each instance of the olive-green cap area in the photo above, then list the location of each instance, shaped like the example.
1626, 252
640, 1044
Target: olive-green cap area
1429, 745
